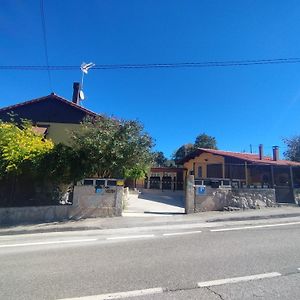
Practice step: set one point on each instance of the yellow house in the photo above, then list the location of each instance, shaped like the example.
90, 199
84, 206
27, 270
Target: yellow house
53, 115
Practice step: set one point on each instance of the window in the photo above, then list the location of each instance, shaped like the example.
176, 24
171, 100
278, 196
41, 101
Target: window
111, 182
199, 172
214, 171
88, 181
100, 182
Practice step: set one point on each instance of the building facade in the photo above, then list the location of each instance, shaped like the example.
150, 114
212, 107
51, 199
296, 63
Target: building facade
217, 168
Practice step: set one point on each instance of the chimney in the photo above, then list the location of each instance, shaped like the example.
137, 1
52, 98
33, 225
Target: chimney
275, 153
76, 90
261, 151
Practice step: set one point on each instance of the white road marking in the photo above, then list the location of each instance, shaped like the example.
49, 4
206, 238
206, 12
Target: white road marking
298, 269
47, 243
120, 295
255, 226
131, 237
181, 233
238, 279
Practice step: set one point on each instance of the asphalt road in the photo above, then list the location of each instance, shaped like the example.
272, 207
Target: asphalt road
236, 262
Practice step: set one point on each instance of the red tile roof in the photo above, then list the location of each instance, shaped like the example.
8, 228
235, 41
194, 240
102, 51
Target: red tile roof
53, 96
248, 157
165, 169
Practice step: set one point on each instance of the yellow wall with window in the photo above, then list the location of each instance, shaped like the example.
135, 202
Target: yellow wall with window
59, 132
202, 161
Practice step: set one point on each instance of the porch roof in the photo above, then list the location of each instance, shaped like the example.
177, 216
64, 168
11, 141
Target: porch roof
247, 157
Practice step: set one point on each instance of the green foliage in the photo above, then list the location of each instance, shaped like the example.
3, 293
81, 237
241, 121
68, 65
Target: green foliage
293, 148
62, 165
159, 159
182, 152
112, 148
205, 141
136, 172
21, 149
202, 141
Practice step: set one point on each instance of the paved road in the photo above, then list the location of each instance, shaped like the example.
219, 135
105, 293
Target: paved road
176, 262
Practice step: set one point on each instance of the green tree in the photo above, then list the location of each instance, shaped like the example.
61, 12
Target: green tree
159, 159
62, 165
182, 152
293, 148
137, 172
21, 149
205, 141
111, 147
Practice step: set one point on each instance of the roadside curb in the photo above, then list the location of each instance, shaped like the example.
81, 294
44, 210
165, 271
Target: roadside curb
47, 230
253, 218
56, 229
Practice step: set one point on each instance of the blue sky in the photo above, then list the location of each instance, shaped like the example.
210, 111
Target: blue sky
238, 105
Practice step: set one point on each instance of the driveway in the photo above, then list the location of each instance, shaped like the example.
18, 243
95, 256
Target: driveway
155, 202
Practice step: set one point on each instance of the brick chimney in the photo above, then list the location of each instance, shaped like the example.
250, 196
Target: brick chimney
261, 151
275, 153
76, 90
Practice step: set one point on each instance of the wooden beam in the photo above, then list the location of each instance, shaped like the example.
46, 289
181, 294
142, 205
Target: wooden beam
246, 173
272, 176
292, 177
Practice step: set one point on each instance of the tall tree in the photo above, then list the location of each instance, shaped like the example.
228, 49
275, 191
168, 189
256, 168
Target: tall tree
159, 159
205, 141
111, 148
182, 151
293, 148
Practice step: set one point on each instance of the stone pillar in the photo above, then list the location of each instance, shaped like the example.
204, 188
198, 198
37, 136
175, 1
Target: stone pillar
160, 181
148, 182
190, 195
119, 200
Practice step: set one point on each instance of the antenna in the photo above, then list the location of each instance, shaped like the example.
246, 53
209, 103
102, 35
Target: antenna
84, 69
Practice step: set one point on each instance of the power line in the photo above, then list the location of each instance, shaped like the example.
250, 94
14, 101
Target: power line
45, 42
207, 64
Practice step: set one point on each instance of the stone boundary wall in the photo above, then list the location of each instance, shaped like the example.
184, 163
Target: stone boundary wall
221, 198
34, 214
214, 199
253, 198
86, 204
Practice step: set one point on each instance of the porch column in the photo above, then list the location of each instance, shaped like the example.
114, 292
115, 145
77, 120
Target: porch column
223, 170
292, 177
246, 173
272, 176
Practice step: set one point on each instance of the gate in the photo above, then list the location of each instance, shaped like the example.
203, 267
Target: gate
284, 194
155, 183
167, 183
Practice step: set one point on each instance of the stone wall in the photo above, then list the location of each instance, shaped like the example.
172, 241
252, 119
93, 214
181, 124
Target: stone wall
86, 204
221, 198
213, 199
253, 198
34, 214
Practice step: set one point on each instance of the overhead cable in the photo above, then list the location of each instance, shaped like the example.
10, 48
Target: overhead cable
207, 64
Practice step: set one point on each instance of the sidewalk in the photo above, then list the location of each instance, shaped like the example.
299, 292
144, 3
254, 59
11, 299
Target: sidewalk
144, 221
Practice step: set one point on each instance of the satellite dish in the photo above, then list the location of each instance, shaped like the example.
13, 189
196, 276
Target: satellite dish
81, 94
